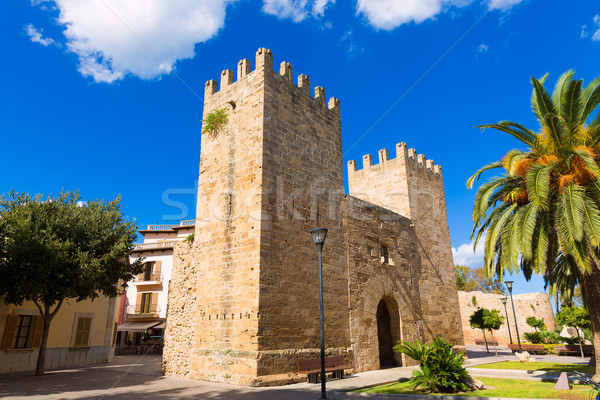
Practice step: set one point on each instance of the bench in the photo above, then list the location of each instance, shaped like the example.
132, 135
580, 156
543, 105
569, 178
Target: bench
532, 348
574, 349
490, 342
312, 367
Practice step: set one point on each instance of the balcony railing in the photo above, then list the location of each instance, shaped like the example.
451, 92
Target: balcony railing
159, 227
149, 277
142, 309
155, 246
189, 222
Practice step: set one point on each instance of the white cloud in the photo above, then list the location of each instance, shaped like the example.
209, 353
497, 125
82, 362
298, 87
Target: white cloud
35, 36
145, 38
483, 48
502, 4
596, 35
297, 10
390, 14
352, 47
464, 254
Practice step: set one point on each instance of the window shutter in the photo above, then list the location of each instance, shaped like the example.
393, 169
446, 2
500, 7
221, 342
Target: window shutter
155, 302
39, 330
156, 272
9, 332
138, 303
87, 322
141, 276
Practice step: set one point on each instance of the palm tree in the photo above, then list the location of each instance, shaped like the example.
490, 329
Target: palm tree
542, 214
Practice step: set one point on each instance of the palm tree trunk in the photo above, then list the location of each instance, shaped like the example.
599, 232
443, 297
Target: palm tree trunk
591, 286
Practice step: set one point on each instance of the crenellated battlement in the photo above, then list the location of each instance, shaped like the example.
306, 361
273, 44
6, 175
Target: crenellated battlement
404, 155
264, 64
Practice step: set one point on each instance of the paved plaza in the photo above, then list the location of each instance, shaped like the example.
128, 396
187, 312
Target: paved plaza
136, 377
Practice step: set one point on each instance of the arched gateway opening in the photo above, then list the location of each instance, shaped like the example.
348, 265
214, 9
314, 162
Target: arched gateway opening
388, 333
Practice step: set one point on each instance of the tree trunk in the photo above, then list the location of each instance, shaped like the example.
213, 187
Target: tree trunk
591, 286
579, 340
485, 341
494, 342
40, 367
47, 316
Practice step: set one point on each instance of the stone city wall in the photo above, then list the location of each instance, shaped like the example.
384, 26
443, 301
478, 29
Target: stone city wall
542, 308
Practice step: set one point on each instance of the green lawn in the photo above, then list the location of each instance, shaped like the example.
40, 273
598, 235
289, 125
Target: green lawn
501, 388
539, 366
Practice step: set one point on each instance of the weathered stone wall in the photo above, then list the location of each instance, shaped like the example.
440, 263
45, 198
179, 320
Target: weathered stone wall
244, 301
542, 308
303, 183
413, 186
372, 279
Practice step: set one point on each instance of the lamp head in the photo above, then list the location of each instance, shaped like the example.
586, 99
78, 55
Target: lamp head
509, 285
318, 235
503, 300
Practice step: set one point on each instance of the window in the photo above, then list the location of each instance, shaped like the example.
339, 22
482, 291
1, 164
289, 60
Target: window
151, 271
22, 332
146, 303
385, 254
82, 331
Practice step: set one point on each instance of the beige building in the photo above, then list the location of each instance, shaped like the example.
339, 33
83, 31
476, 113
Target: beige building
244, 299
81, 333
144, 310
526, 305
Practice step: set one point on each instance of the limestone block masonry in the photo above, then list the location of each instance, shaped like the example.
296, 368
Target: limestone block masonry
526, 305
244, 300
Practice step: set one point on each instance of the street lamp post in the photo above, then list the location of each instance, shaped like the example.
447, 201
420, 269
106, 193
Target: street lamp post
509, 285
503, 300
318, 236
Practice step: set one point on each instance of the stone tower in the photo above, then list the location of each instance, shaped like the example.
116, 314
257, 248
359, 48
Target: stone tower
412, 186
243, 300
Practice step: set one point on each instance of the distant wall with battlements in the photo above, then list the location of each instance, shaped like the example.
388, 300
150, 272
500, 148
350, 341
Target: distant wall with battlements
526, 305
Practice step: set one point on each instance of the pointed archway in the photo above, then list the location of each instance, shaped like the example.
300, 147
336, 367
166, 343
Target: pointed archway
386, 321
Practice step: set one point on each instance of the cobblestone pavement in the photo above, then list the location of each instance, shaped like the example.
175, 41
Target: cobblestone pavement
136, 377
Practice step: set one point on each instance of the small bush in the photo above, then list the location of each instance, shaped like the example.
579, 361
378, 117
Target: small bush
534, 337
441, 371
550, 348
215, 121
550, 337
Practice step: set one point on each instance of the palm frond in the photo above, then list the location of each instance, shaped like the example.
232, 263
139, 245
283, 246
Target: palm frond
572, 206
494, 232
476, 175
557, 129
526, 136
527, 218
591, 220
560, 86
571, 106
591, 99
510, 245
540, 99
538, 184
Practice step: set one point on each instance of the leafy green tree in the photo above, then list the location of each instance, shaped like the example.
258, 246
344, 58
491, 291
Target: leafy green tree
469, 280
542, 214
578, 318
60, 248
441, 371
485, 319
537, 324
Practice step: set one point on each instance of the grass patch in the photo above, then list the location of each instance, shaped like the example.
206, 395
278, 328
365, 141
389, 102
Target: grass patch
538, 366
501, 388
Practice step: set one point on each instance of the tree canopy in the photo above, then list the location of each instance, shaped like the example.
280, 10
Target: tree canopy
469, 280
61, 247
542, 214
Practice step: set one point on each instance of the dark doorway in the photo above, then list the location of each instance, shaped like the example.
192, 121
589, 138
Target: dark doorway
384, 334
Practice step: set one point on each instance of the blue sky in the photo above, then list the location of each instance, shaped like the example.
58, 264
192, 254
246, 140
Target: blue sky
105, 96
